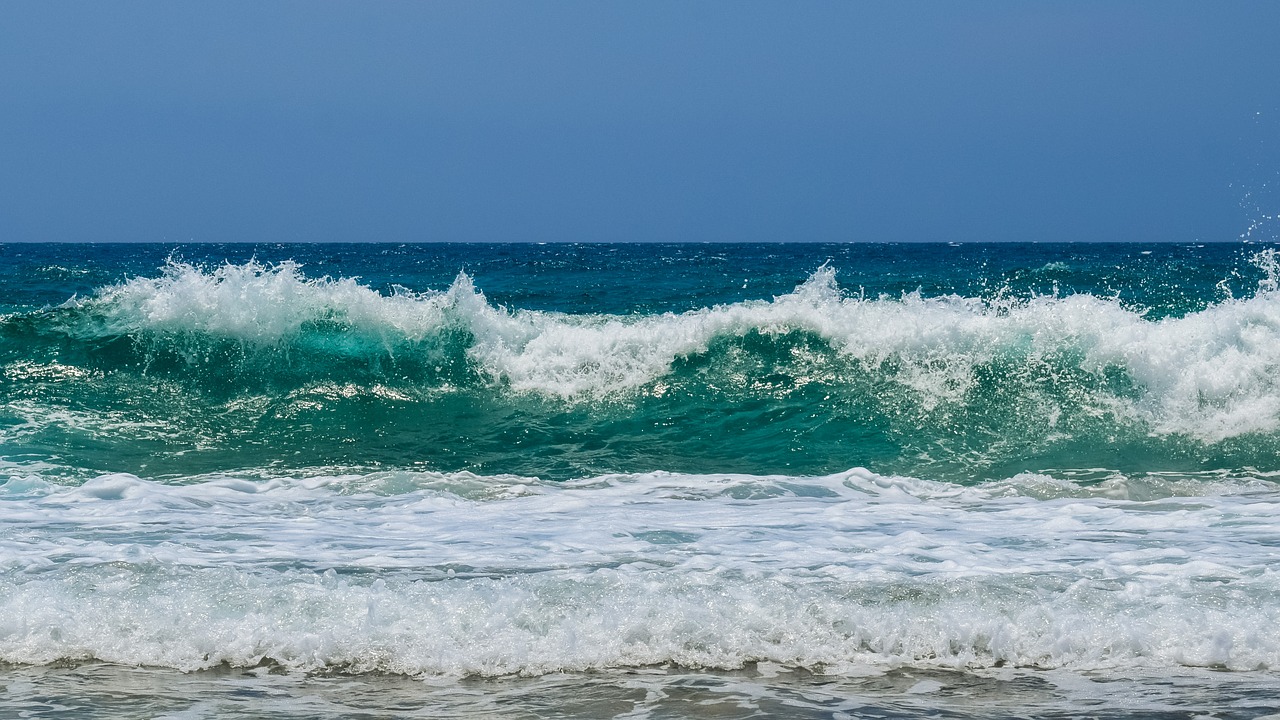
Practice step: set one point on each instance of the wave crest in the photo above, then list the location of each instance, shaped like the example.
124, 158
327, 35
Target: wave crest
231, 364
1212, 374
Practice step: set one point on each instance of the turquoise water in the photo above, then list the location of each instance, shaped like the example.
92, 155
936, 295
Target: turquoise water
987, 466
962, 363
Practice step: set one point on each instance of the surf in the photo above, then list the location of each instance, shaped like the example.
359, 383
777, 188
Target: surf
822, 377
456, 574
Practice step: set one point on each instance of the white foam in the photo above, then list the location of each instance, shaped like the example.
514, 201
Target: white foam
262, 304
454, 574
1212, 374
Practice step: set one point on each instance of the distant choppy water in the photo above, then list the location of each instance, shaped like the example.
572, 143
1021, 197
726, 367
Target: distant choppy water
659, 480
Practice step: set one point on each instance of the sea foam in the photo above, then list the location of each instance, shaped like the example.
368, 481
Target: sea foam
458, 574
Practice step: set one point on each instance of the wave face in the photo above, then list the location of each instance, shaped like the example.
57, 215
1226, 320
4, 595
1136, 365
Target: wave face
469, 461
207, 367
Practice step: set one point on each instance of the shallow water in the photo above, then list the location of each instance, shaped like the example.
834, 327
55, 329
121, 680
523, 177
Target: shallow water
107, 691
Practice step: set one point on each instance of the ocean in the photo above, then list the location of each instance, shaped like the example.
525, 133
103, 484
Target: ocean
642, 481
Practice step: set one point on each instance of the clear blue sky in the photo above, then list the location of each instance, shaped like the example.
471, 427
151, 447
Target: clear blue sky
637, 121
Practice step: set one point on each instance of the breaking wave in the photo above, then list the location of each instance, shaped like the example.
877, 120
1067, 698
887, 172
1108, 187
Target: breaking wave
974, 374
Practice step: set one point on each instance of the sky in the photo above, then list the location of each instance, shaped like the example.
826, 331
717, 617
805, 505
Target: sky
176, 121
